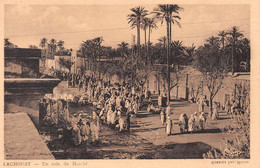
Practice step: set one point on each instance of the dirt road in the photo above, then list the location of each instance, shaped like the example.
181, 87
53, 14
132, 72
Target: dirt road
148, 139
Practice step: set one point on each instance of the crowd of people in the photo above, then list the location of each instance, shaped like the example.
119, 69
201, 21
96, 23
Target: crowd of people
114, 106
195, 123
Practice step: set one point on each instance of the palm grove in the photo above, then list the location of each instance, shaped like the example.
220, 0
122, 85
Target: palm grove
228, 51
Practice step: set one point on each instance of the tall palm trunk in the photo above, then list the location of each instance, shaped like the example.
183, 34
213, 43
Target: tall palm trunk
170, 31
138, 39
145, 37
145, 44
223, 43
233, 50
149, 35
168, 63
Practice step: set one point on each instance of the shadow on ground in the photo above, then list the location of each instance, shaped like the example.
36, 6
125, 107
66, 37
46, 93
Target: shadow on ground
194, 150
114, 145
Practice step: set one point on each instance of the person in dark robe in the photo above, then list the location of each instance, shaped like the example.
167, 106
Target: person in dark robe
42, 110
128, 116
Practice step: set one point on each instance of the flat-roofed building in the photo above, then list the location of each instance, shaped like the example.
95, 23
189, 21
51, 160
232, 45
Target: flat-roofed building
21, 62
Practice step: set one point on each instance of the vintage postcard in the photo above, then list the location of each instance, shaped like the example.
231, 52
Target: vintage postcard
130, 84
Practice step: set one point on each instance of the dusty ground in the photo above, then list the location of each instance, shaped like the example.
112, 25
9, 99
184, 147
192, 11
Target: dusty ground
147, 138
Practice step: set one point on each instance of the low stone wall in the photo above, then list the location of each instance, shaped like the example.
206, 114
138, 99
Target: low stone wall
21, 139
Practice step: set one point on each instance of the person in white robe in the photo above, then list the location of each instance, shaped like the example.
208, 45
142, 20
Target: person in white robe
109, 114
118, 101
94, 132
146, 95
201, 103
122, 124
168, 126
215, 115
160, 100
85, 131
135, 108
196, 121
163, 117
183, 122
202, 121
191, 123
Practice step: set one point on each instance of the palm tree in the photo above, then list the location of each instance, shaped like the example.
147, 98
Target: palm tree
222, 35
162, 41
213, 41
189, 53
167, 13
243, 46
177, 47
60, 44
52, 47
151, 25
43, 44
235, 35
135, 20
144, 26
123, 48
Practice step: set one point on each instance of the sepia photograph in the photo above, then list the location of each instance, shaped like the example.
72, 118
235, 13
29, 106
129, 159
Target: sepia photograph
126, 81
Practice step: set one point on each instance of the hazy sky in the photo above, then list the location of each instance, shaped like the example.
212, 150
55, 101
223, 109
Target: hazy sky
27, 24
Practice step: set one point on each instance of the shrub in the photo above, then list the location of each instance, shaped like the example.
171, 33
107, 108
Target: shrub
238, 145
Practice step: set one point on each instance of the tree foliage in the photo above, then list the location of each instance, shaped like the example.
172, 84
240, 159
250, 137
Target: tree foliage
67, 63
33, 47
135, 19
213, 65
9, 44
91, 50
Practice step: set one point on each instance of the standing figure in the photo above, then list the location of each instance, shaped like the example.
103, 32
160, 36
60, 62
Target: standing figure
85, 131
196, 121
215, 115
227, 107
76, 138
42, 110
135, 107
113, 117
160, 101
183, 122
168, 126
202, 121
66, 114
191, 123
201, 103
122, 124
146, 94
163, 117
133, 90
168, 110
96, 120
128, 117
109, 114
